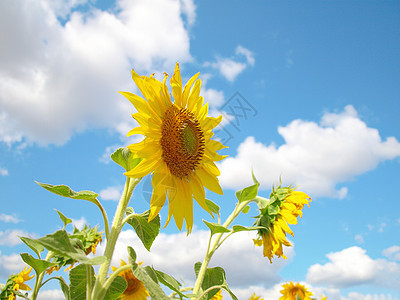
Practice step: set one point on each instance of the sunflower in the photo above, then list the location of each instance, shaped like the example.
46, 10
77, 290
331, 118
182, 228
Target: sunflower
19, 280
284, 207
217, 296
291, 291
177, 148
135, 289
255, 297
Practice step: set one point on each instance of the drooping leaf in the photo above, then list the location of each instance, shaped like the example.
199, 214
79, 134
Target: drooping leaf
125, 158
213, 277
168, 281
37, 264
238, 228
145, 230
152, 287
78, 281
35, 246
215, 227
60, 243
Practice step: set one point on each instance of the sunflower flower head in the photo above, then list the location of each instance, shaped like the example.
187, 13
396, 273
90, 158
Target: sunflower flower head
283, 208
296, 291
135, 289
15, 283
255, 297
217, 296
177, 149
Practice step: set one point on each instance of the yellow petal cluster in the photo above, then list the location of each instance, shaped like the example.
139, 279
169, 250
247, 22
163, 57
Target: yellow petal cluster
274, 238
135, 289
255, 297
21, 278
217, 296
291, 291
177, 149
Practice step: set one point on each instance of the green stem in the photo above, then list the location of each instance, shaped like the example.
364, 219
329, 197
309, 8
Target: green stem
105, 219
88, 282
210, 251
39, 278
99, 289
115, 274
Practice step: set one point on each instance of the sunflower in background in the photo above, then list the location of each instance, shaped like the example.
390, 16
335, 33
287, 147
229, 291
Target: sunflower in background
177, 148
296, 291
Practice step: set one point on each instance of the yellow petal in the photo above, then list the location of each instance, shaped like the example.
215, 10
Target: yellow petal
145, 167
176, 84
161, 184
140, 104
209, 181
186, 89
199, 193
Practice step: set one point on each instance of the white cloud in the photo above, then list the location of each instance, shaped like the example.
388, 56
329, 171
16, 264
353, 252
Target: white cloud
231, 67
10, 264
51, 295
176, 254
214, 97
359, 296
79, 223
316, 157
69, 74
11, 237
352, 267
9, 218
3, 172
111, 193
393, 253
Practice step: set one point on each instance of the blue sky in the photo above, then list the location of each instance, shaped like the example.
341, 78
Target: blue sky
321, 84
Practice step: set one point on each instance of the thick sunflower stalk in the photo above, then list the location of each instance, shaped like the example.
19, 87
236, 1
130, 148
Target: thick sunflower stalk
179, 152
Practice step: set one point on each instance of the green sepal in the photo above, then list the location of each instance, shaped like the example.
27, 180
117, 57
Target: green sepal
78, 281
117, 287
216, 228
125, 158
60, 243
212, 206
63, 218
152, 287
37, 264
247, 193
145, 230
33, 244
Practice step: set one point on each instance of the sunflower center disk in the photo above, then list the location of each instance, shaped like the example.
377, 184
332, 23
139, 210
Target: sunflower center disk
182, 141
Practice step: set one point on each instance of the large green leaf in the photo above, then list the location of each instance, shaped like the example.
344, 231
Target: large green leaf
166, 280
145, 230
37, 264
125, 158
117, 287
60, 243
153, 288
33, 244
78, 281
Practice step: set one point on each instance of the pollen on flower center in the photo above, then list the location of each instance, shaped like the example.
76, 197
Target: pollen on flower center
182, 141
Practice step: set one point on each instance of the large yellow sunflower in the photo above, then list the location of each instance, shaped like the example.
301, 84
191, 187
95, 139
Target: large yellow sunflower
177, 148
289, 208
291, 290
135, 289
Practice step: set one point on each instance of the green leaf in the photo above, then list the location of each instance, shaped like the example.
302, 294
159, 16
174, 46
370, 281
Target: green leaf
78, 281
238, 228
152, 287
37, 264
63, 218
169, 281
65, 191
212, 206
213, 277
117, 287
60, 243
247, 193
216, 228
145, 230
254, 178
125, 158
35, 246
246, 209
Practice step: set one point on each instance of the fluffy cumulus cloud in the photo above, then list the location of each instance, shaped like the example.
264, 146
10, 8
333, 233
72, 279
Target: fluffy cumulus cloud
51, 295
10, 264
62, 68
231, 67
11, 237
9, 218
176, 254
353, 267
111, 193
317, 156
